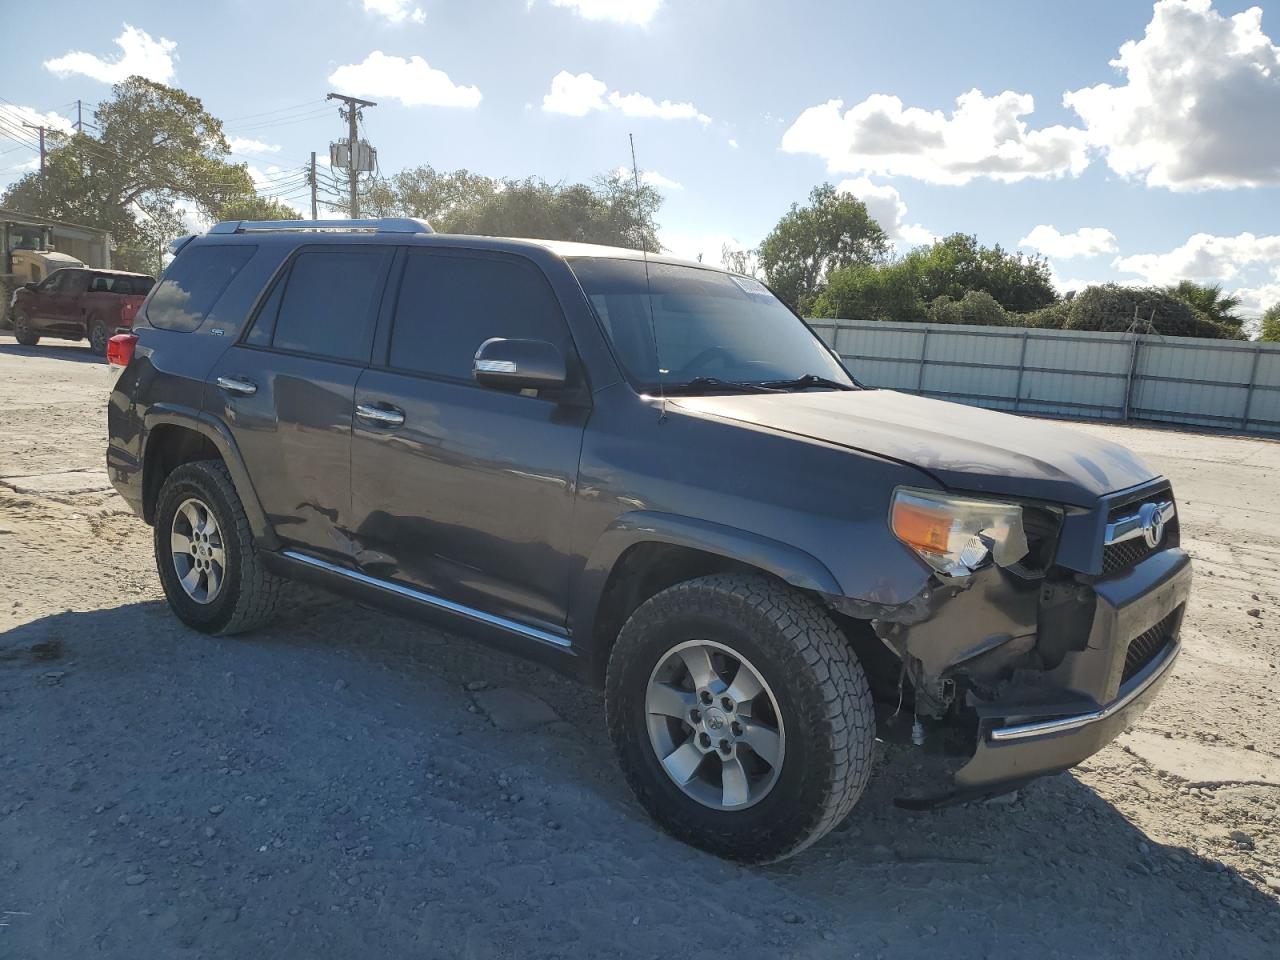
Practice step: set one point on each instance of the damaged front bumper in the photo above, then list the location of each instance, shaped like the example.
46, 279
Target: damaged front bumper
1051, 675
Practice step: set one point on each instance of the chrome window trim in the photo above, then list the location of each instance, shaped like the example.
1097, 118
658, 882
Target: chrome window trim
431, 600
1043, 728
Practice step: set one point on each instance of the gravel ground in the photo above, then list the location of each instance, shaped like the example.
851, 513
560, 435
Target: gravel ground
349, 783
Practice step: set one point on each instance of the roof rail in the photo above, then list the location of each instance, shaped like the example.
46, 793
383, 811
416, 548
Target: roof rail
380, 225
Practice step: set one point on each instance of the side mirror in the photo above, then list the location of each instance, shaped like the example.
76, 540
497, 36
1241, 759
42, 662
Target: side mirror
519, 365
31, 286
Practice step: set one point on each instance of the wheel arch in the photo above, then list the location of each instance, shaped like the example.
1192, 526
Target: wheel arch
644, 552
176, 436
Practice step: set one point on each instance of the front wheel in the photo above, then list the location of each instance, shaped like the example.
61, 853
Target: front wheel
22, 331
741, 716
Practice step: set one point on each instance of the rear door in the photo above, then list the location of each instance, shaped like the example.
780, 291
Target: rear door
469, 496
287, 390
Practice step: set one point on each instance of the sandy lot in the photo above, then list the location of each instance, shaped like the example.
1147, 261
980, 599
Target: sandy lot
343, 784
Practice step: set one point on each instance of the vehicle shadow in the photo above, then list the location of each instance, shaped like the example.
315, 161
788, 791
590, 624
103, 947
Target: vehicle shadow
348, 781
59, 349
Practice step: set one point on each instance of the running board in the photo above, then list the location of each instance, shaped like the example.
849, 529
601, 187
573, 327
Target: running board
430, 600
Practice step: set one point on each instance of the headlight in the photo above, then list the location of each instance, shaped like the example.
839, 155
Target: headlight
957, 535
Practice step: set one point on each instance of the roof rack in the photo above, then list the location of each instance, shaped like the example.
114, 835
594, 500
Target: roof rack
380, 225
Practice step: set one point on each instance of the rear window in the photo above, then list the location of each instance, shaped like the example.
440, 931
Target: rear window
193, 283
123, 286
327, 306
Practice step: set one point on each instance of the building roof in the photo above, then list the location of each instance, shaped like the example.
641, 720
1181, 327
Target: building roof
15, 216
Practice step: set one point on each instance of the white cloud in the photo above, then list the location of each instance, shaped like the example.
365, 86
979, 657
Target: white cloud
139, 55
638, 12
651, 177
249, 145
1085, 242
689, 246
1200, 105
576, 95
733, 143
395, 11
414, 82
1254, 301
638, 105
1205, 258
887, 208
15, 116
983, 137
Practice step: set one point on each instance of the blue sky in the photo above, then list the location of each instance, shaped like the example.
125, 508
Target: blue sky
1025, 123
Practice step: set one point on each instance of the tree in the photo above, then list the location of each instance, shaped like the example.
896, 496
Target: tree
609, 210
865, 292
956, 264
156, 146
976, 306
1271, 324
1114, 308
1209, 301
256, 208
745, 262
808, 243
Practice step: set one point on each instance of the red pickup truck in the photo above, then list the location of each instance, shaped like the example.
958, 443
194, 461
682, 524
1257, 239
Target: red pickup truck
75, 304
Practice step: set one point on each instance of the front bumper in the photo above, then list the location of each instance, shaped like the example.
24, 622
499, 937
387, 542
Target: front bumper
1088, 700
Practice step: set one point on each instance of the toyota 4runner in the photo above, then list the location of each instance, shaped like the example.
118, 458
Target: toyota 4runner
652, 475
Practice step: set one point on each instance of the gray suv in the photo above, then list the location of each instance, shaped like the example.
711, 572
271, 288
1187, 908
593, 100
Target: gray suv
652, 475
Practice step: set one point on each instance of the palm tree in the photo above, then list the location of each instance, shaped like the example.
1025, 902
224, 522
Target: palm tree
1210, 301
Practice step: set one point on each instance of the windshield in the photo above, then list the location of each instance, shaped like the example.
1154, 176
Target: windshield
712, 329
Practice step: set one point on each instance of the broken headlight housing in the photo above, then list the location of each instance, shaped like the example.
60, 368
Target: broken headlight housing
958, 535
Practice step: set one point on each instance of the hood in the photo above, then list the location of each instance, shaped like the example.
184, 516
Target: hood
965, 448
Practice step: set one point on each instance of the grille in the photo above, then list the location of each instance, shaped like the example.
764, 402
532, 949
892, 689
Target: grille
1146, 646
1128, 553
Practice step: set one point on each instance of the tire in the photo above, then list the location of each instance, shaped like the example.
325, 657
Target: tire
247, 593
816, 691
98, 336
22, 331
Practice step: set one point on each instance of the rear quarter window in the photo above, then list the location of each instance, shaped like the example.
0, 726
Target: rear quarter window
193, 283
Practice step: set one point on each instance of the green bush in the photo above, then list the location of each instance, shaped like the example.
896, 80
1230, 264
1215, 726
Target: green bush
976, 306
1053, 317
1112, 308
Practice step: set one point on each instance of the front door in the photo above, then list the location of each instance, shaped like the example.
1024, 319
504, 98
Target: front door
463, 491
287, 389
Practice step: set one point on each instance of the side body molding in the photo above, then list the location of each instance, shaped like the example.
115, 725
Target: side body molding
218, 434
795, 566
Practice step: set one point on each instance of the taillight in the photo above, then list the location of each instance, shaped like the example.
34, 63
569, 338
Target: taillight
128, 311
120, 349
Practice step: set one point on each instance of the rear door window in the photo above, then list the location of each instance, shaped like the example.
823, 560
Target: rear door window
449, 304
328, 303
193, 283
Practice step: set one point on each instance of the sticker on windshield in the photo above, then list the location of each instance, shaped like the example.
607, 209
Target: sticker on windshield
750, 285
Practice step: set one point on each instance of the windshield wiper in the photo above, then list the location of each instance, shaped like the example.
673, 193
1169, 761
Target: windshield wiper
715, 383
808, 380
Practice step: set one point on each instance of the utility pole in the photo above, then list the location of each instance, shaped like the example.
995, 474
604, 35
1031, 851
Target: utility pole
352, 114
312, 178
79, 118
36, 126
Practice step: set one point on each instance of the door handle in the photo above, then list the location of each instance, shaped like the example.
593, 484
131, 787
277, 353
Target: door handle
243, 388
387, 416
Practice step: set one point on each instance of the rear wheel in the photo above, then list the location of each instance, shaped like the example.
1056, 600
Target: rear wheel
741, 716
98, 336
209, 566
22, 331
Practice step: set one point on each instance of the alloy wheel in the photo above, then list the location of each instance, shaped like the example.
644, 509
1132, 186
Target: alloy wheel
714, 725
199, 557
